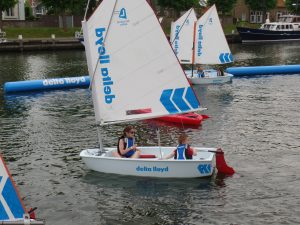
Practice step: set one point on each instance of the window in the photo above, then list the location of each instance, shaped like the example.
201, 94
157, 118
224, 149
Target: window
278, 15
256, 16
252, 17
10, 12
259, 17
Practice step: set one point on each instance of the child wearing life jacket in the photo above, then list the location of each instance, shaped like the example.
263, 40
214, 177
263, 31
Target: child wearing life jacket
183, 150
126, 144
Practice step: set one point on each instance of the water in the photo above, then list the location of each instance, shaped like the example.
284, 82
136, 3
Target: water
256, 121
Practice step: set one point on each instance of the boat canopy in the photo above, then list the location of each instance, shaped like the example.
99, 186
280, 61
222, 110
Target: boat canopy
132, 65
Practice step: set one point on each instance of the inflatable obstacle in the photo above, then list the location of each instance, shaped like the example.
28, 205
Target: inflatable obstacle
47, 84
263, 70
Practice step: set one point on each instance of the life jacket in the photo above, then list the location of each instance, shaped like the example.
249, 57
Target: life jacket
183, 152
128, 142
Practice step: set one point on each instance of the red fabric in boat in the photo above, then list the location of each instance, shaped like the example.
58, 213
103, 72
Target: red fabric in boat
147, 156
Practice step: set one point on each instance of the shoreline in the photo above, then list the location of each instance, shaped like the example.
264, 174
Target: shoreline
42, 44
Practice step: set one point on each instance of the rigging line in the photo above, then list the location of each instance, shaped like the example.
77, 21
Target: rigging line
86, 10
177, 34
98, 59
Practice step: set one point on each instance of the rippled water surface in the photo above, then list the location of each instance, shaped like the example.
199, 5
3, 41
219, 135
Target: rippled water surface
255, 120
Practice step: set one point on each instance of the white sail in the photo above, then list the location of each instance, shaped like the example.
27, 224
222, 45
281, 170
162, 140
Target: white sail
182, 36
135, 73
211, 46
11, 206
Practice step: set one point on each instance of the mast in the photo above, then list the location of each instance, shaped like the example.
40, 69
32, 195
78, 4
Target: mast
193, 56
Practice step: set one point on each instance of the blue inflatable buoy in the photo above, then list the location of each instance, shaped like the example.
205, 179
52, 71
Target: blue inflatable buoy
47, 84
263, 70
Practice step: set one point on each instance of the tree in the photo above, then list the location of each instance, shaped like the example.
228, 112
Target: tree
179, 5
223, 6
293, 6
6, 5
261, 5
65, 7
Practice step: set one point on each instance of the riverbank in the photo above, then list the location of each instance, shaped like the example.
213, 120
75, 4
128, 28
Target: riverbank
40, 44
37, 44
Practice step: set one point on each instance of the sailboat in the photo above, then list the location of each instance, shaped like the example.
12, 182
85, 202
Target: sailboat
12, 209
133, 68
206, 45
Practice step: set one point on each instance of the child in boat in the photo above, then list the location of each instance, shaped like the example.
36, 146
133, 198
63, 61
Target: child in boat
126, 144
183, 150
200, 72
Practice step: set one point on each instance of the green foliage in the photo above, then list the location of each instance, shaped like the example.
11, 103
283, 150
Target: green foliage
28, 11
224, 6
293, 6
7, 4
179, 5
62, 7
261, 5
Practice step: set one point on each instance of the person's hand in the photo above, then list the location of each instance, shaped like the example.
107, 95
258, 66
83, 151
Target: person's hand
134, 147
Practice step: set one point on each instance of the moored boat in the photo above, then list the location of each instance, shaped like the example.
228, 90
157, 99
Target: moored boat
286, 29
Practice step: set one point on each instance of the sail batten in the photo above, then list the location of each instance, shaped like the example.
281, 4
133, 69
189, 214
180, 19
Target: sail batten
136, 64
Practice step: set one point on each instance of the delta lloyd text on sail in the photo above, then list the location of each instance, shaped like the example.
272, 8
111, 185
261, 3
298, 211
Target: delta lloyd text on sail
104, 59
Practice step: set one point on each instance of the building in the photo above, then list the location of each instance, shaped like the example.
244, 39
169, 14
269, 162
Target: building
15, 13
242, 12
37, 7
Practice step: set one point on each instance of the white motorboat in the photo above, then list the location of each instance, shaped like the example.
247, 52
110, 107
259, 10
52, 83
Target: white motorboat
123, 38
209, 76
201, 42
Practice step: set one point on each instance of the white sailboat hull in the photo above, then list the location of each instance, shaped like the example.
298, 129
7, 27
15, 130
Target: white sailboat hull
210, 77
201, 165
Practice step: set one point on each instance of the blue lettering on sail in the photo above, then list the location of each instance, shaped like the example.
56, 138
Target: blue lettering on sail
200, 39
123, 14
176, 47
104, 59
